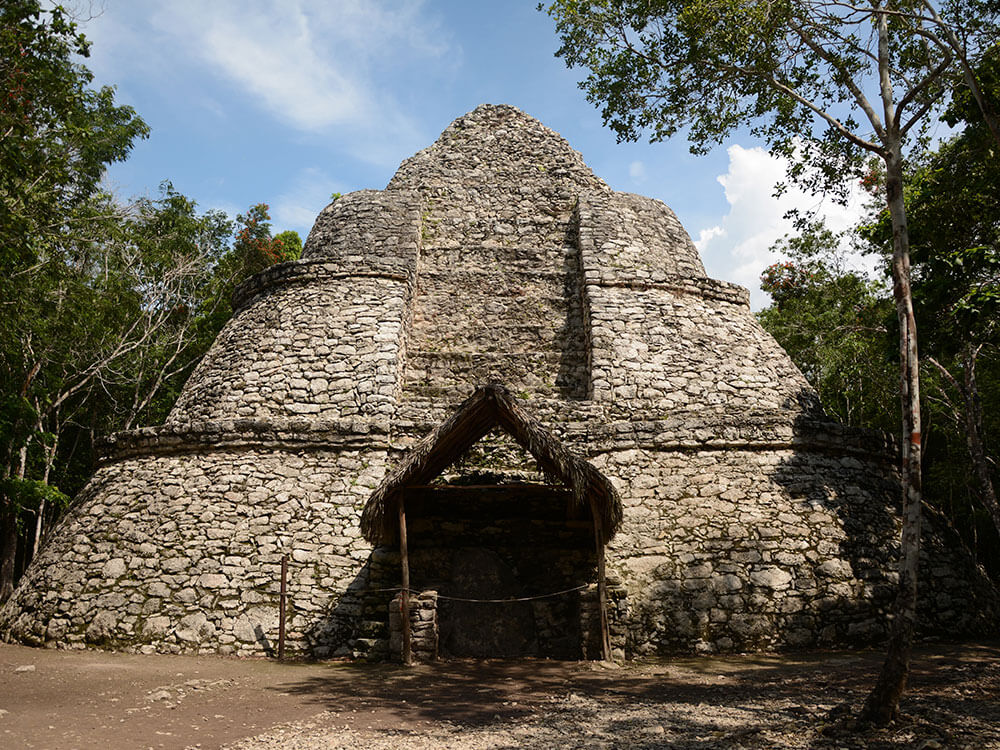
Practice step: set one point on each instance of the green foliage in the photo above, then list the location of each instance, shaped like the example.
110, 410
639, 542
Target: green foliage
291, 245
253, 250
104, 307
954, 227
954, 223
965, 110
32, 495
836, 326
56, 134
795, 72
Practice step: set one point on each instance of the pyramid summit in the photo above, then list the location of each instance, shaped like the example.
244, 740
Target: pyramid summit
588, 445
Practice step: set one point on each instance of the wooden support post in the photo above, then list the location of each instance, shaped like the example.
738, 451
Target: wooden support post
281, 606
602, 587
404, 595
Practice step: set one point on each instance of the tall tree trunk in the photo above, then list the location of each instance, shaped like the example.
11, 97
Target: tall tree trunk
9, 508
8, 548
970, 418
882, 704
974, 435
50, 459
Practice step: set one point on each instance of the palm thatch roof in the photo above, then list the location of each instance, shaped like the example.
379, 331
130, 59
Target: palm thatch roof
490, 406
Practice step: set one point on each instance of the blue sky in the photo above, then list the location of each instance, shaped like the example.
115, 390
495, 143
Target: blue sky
287, 101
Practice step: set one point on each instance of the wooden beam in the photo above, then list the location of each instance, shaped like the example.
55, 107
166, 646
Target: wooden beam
602, 589
404, 595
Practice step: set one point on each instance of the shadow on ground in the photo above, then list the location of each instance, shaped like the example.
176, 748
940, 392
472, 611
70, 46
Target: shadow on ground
471, 693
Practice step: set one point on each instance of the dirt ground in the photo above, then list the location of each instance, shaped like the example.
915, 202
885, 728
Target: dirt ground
59, 699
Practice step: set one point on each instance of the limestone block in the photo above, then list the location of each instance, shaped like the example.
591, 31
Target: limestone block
156, 627
835, 568
194, 628
114, 568
213, 580
772, 577
102, 627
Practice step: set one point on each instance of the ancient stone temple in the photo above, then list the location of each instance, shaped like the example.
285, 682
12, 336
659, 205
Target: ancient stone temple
521, 385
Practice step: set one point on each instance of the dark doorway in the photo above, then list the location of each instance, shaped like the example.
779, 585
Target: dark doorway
526, 545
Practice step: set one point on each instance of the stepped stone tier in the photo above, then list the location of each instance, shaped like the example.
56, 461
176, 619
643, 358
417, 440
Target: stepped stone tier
733, 515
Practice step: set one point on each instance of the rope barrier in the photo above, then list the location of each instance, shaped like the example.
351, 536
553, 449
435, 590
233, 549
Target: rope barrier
492, 601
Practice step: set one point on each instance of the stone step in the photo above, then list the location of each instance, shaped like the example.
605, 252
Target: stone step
528, 372
479, 334
511, 275
483, 308
372, 648
372, 629
513, 257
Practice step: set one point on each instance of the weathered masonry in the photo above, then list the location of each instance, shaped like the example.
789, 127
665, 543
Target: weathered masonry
648, 472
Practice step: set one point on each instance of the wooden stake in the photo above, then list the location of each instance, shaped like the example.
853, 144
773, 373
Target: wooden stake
602, 589
404, 595
281, 607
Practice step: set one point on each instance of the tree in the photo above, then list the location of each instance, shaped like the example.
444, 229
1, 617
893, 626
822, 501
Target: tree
834, 324
56, 137
168, 253
955, 239
824, 82
253, 250
108, 328
109, 325
56, 134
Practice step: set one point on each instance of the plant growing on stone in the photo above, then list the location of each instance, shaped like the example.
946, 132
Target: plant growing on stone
825, 83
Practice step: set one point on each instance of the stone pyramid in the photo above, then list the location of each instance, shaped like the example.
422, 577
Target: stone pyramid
749, 521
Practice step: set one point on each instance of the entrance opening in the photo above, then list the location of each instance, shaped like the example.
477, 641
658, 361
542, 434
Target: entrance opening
508, 561
499, 564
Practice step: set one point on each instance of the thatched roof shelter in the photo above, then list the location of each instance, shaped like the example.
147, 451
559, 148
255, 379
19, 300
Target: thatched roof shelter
488, 407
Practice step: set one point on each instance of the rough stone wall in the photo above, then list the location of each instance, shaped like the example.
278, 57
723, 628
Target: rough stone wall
423, 627
495, 254
515, 322
361, 230
496, 177
656, 351
328, 350
632, 238
183, 553
501, 230
728, 550
721, 550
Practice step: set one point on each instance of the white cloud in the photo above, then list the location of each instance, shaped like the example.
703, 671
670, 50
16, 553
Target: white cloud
310, 64
737, 248
637, 171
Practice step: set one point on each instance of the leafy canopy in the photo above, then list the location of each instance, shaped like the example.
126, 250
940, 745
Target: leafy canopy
835, 325
57, 134
804, 75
